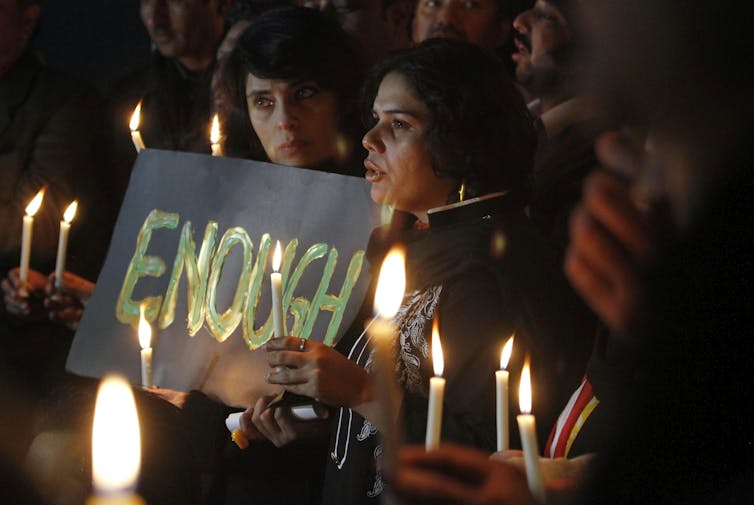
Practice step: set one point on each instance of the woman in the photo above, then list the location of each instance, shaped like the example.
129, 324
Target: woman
446, 120
295, 75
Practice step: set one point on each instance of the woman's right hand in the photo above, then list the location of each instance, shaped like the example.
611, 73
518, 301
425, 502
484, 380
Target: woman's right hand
65, 304
277, 424
20, 305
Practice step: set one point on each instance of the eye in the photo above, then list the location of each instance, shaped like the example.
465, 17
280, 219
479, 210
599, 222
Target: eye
305, 92
397, 124
472, 4
433, 4
262, 102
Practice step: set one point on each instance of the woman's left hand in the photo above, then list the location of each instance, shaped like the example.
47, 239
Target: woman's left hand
313, 369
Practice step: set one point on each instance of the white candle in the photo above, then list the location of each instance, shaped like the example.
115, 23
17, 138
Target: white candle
116, 446
134, 125
383, 334
26, 232
214, 137
436, 392
65, 228
145, 340
528, 430
276, 281
501, 397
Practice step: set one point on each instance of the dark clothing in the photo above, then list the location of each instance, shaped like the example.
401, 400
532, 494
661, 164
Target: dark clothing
453, 272
686, 433
50, 135
175, 113
561, 164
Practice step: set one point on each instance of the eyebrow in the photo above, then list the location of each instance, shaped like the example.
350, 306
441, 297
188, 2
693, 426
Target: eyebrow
406, 112
297, 82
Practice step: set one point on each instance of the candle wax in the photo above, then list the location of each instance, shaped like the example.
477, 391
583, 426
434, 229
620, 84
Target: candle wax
65, 228
528, 430
434, 412
501, 396
276, 279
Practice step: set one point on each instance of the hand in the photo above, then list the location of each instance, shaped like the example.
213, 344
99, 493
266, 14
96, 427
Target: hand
65, 304
24, 306
317, 371
612, 244
561, 473
276, 424
457, 475
177, 398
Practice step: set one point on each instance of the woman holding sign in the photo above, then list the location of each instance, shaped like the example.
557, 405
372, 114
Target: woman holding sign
451, 147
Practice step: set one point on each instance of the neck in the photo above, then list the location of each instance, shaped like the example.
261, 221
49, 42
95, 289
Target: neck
196, 63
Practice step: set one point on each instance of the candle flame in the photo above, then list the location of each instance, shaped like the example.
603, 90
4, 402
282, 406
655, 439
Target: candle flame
277, 257
391, 284
35, 203
116, 451
135, 117
438, 362
524, 389
70, 211
505, 354
145, 331
214, 135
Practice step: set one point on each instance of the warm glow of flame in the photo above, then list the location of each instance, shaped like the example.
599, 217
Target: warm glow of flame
214, 134
277, 257
438, 363
116, 451
524, 389
505, 354
145, 331
70, 211
135, 117
391, 284
35, 203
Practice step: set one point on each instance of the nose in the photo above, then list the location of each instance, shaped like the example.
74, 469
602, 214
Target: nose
448, 15
287, 119
372, 140
522, 22
154, 13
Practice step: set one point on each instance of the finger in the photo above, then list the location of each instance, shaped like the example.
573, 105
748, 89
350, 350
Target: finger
619, 153
507, 455
609, 202
286, 358
67, 315
263, 419
283, 344
601, 296
420, 485
466, 464
287, 376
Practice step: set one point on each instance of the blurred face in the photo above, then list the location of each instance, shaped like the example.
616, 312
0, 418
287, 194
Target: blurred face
16, 27
399, 165
296, 122
184, 29
475, 21
541, 32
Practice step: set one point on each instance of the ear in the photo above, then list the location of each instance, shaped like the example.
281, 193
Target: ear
29, 18
398, 17
223, 6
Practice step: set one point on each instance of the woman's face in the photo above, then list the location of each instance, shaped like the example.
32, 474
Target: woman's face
296, 122
399, 166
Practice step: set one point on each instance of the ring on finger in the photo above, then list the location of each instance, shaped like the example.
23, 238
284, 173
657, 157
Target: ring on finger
302, 345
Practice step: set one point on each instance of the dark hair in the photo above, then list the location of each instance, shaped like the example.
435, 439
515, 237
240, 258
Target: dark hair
293, 43
480, 129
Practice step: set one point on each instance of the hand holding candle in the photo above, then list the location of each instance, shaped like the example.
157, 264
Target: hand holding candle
436, 392
65, 228
145, 340
276, 281
116, 450
501, 396
214, 137
528, 431
28, 225
134, 125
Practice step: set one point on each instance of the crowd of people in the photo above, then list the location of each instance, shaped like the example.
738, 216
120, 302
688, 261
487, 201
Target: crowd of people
574, 172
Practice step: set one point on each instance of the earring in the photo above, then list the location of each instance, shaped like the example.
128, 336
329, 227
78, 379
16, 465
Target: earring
462, 191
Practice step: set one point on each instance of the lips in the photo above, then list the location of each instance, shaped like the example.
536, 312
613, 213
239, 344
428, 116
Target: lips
373, 174
292, 146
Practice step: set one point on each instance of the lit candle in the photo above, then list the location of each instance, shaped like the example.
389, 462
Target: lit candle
28, 224
145, 340
501, 396
65, 228
528, 430
276, 280
388, 296
214, 137
436, 392
116, 451
134, 124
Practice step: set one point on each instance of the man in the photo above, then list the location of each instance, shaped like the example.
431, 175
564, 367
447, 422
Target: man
380, 26
547, 66
175, 89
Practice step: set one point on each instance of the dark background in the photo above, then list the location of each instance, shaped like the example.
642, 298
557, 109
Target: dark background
97, 41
